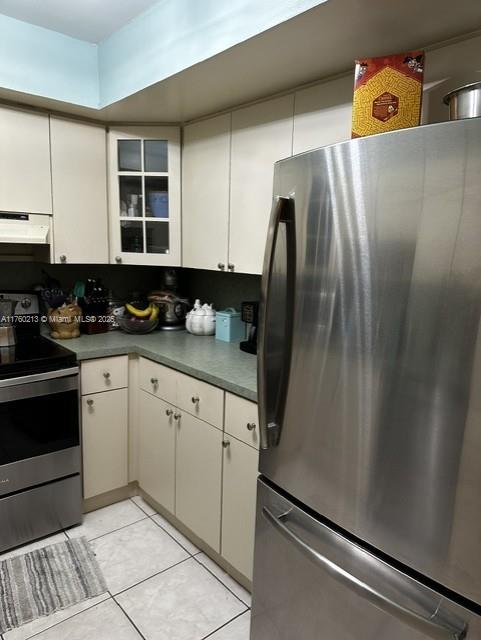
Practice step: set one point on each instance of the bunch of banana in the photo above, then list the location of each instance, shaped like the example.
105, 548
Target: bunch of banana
152, 311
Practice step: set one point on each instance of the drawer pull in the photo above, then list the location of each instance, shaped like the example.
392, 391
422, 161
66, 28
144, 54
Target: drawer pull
225, 444
195, 399
221, 266
90, 402
106, 375
251, 426
154, 381
169, 412
177, 416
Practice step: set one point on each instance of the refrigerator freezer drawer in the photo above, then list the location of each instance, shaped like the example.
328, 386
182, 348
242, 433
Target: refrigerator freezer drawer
310, 582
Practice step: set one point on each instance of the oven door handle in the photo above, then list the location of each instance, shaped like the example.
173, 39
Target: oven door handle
39, 377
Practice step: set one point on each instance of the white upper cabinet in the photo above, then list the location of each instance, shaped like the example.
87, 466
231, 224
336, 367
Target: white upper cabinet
205, 193
25, 180
261, 135
144, 195
323, 115
79, 188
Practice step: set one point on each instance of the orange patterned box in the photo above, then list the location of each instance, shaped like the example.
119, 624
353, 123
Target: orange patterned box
387, 93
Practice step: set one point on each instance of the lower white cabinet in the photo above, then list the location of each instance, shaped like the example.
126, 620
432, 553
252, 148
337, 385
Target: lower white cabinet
105, 441
199, 477
157, 449
202, 474
239, 504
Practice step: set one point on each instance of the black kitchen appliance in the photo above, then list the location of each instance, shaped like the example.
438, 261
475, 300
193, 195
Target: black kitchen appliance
40, 464
250, 315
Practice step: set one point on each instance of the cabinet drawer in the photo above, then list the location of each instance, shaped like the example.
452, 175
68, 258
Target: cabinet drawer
104, 374
241, 419
158, 380
200, 399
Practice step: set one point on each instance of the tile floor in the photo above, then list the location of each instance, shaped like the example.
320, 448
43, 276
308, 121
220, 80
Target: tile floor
161, 587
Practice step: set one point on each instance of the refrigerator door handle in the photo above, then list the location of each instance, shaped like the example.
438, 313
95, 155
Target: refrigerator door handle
271, 404
424, 625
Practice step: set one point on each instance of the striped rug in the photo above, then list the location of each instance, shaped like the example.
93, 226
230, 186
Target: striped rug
45, 580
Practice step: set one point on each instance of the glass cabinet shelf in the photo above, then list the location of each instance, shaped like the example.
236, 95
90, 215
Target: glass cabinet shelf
143, 183
145, 195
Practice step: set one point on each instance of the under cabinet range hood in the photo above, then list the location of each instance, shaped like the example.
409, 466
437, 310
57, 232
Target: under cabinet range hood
25, 236
24, 228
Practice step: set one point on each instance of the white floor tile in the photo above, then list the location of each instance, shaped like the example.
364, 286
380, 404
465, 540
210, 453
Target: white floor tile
38, 544
146, 508
238, 629
98, 523
135, 553
224, 577
45, 622
106, 621
181, 539
183, 603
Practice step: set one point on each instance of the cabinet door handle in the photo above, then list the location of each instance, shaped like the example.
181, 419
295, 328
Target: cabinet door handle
226, 443
106, 375
251, 426
90, 402
169, 412
63, 258
154, 381
195, 399
177, 416
118, 259
231, 266
221, 266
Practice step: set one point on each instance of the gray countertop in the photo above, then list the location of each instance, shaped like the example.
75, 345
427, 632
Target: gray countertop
222, 364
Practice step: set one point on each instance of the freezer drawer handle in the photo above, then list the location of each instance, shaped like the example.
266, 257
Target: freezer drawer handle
411, 618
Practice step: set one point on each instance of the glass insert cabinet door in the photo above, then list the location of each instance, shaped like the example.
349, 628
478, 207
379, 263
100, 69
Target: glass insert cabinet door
144, 189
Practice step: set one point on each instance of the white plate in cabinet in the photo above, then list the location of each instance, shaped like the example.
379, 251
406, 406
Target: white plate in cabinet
198, 477
104, 374
239, 504
157, 449
158, 380
105, 441
242, 419
201, 399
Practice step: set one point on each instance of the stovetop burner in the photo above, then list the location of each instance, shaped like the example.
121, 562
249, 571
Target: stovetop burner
33, 353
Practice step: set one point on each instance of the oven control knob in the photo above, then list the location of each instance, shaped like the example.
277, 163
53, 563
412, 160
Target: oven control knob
26, 303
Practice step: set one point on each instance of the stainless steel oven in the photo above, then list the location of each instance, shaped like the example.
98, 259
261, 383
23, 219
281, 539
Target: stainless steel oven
40, 459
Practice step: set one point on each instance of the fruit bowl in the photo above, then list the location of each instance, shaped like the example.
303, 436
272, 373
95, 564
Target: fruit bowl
131, 324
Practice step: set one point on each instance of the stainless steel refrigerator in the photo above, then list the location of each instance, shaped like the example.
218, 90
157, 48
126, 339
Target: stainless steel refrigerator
369, 502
